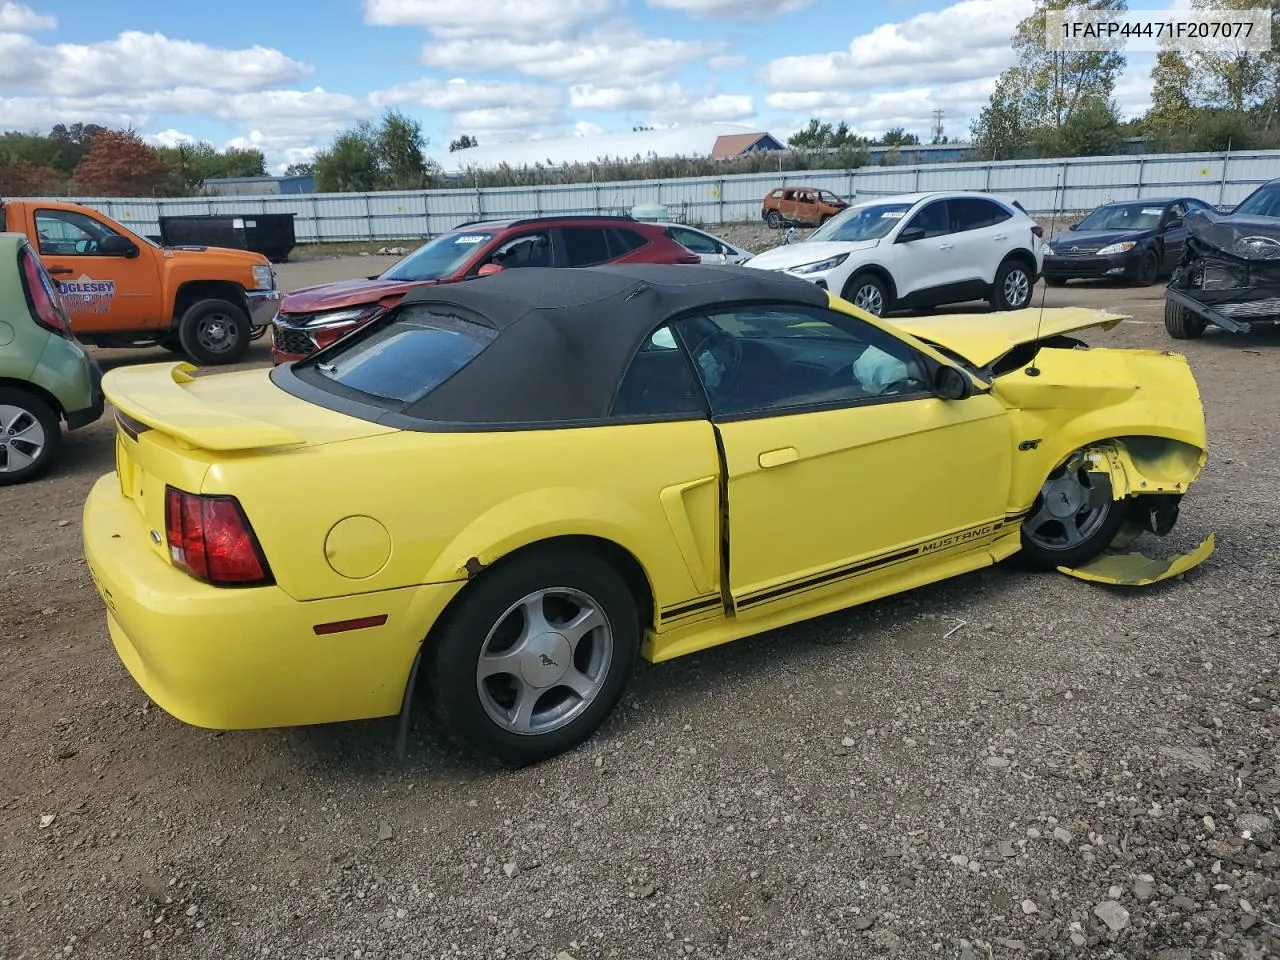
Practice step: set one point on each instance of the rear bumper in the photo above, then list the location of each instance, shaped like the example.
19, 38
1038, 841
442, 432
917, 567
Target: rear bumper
227, 658
97, 403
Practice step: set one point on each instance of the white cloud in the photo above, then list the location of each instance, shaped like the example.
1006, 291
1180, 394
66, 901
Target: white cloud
624, 56
170, 138
584, 128
668, 102
732, 9
520, 19
501, 124
870, 114
136, 61
460, 94
727, 62
965, 41
21, 18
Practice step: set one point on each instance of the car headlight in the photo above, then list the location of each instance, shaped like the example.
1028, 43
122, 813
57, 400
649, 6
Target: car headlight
264, 278
340, 318
1124, 247
829, 264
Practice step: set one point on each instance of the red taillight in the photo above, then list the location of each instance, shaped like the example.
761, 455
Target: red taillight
1037, 230
42, 296
210, 538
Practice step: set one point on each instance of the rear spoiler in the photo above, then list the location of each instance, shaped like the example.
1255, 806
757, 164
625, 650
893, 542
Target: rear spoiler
147, 395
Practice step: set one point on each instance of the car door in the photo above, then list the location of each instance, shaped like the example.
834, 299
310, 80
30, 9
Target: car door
532, 248
840, 462
707, 248
583, 246
1173, 235
922, 265
982, 239
102, 291
807, 208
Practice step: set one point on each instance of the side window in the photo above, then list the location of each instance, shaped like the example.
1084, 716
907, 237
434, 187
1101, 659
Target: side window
623, 241
805, 197
585, 246
659, 382
525, 250
68, 233
774, 360
1176, 212
933, 218
692, 240
974, 213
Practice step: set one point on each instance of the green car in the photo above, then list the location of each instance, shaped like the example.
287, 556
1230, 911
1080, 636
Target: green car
45, 375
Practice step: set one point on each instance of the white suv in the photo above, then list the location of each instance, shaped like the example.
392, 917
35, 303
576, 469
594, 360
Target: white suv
920, 250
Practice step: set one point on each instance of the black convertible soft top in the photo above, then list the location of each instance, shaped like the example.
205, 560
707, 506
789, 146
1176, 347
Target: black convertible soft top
565, 339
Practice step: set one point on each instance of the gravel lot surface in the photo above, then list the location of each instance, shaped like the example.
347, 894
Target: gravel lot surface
1007, 765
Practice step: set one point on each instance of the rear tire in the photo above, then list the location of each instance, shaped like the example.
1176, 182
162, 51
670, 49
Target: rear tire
30, 434
214, 332
774, 219
1180, 322
478, 702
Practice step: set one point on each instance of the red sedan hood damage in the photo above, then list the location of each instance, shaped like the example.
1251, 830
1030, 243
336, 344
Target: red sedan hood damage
346, 293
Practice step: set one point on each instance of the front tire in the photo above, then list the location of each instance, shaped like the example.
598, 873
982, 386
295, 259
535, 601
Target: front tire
30, 435
1148, 270
774, 219
867, 292
1012, 287
214, 332
535, 656
1072, 520
1181, 323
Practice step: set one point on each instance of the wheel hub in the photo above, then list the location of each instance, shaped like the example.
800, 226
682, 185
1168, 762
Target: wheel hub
1063, 497
545, 659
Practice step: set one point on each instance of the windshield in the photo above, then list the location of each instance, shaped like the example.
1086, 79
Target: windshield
439, 258
870, 222
1123, 216
1265, 202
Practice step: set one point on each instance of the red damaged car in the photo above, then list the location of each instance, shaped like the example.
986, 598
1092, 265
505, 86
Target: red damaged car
314, 317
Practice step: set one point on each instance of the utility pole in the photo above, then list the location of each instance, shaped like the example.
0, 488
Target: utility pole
937, 124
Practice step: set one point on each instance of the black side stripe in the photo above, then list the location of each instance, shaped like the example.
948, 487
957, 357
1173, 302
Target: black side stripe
693, 607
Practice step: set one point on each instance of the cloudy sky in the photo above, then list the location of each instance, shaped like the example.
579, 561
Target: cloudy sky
286, 75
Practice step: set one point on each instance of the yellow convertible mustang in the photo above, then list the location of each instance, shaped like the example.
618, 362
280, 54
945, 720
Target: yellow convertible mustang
504, 491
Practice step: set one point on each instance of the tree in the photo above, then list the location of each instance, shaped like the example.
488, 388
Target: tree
1001, 130
300, 170
351, 162
23, 179
72, 144
400, 148
193, 163
466, 142
1091, 130
120, 164
897, 137
813, 137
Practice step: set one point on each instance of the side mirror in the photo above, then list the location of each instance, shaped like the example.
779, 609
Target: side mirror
950, 384
489, 269
1074, 226
910, 235
117, 246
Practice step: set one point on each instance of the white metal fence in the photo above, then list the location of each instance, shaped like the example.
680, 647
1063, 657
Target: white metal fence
1220, 179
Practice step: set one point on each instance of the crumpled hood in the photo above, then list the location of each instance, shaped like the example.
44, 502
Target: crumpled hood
983, 338
345, 293
1090, 241
797, 254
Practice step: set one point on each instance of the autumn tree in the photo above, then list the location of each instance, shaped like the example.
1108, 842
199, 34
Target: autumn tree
71, 144
120, 164
23, 179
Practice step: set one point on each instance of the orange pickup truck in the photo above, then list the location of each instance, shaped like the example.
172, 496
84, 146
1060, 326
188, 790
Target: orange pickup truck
123, 290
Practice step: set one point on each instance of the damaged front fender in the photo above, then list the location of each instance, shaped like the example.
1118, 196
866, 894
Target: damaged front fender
1136, 569
1152, 473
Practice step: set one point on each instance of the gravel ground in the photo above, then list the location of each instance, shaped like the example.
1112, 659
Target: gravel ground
1006, 765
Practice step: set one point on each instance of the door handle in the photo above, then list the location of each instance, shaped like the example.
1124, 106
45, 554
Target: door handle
777, 458
945, 246
60, 270
1001, 236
